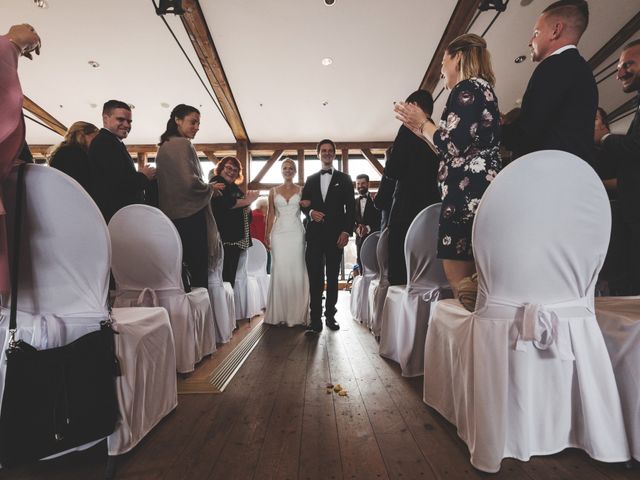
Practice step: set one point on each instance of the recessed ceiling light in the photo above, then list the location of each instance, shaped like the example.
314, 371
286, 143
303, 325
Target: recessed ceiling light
520, 59
329, 3
326, 61
94, 64
325, 103
93, 105
41, 3
131, 106
164, 105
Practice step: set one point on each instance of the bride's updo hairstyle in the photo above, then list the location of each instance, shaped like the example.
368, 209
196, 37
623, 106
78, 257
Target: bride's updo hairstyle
290, 162
475, 60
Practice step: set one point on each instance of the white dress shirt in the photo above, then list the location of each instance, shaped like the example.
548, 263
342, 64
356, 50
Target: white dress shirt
325, 181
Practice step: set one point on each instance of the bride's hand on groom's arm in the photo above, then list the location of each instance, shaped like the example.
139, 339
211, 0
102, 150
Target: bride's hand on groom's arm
343, 239
316, 216
305, 203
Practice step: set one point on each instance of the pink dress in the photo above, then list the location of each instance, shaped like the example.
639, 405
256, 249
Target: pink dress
11, 138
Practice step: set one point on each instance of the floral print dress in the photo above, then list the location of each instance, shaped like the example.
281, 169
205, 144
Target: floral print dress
468, 142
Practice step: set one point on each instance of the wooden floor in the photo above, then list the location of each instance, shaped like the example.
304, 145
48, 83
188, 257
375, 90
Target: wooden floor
276, 421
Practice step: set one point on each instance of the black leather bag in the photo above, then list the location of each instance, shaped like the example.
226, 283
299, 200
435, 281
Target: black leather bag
59, 398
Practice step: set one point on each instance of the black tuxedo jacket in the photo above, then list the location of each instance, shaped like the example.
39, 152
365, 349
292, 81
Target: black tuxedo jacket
371, 216
338, 207
114, 180
558, 109
625, 149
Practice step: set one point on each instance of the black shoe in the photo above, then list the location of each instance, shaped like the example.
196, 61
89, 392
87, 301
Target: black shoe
314, 328
332, 324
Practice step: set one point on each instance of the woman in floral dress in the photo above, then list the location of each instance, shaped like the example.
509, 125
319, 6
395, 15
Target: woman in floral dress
467, 141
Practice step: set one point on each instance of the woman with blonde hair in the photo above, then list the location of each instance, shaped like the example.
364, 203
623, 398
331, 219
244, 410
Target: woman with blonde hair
467, 141
288, 300
71, 155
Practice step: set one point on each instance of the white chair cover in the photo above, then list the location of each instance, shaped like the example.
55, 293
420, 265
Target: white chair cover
528, 372
405, 315
379, 285
257, 269
222, 302
246, 291
619, 319
147, 267
359, 293
63, 289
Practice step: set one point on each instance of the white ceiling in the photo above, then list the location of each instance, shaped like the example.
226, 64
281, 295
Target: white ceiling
271, 53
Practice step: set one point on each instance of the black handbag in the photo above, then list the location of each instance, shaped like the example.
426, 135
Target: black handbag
59, 398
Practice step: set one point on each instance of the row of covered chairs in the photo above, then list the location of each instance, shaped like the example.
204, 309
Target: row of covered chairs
540, 365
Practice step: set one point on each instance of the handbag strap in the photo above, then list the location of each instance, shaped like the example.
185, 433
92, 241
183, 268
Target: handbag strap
15, 255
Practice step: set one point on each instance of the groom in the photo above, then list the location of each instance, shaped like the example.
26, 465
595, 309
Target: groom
330, 217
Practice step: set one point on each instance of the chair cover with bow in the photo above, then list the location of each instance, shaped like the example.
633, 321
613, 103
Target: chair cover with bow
257, 269
528, 372
63, 289
359, 292
147, 267
405, 315
378, 287
619, 319
222, 302
246, 291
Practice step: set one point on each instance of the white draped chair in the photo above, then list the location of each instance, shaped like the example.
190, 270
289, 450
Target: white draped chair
528, 372
405, 314
619, 319
246, 291
359, 303
222, 302
257, 269
63, 290
379, 285
147, 267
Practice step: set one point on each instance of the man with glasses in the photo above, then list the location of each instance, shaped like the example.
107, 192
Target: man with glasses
115, 182
625, 149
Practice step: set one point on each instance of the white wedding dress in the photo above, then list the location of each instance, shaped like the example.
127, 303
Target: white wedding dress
288, 301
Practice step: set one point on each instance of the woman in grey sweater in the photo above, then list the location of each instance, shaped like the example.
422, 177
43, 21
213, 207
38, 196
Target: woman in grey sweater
184, 196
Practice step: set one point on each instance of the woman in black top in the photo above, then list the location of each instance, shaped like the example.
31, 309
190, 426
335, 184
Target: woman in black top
232, 213
71, 155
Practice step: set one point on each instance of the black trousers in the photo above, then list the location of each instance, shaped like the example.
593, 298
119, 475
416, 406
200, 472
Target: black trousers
230, 265
195, 251
397, 265
322, 256
622, 266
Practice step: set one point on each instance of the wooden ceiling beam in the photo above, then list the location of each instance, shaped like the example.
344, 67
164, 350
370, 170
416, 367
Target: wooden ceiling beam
615, 42
44, 116
458, 24
312, 146
196, 26
373, 160
626, 107
266, 186
267, 166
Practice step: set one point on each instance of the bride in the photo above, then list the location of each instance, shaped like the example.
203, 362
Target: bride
288, 302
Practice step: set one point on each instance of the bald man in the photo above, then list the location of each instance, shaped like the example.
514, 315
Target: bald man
561, 99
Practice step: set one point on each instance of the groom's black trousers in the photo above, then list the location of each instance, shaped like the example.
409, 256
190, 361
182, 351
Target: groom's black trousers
323, 254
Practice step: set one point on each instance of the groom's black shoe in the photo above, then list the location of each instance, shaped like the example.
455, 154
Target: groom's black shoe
314, 328
332, 324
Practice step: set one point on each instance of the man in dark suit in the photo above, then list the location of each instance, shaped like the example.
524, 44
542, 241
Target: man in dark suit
329, 208
561, 99
367, 215
626, 150
115, 182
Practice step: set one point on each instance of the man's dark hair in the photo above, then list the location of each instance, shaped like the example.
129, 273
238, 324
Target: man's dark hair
574, 12
363, 176
322, 142
632, 44
603, 116
111, 105
423, 99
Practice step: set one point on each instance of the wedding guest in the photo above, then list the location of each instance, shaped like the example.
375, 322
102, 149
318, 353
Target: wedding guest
258, 225
367, 215
232, 213
604, 165
383, 200
114, 180
414, 167
561, 98
71, 155
184, 197
19, 40
468, 143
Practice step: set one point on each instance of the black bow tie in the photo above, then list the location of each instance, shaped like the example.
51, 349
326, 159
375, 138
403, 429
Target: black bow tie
322, 172
362, 196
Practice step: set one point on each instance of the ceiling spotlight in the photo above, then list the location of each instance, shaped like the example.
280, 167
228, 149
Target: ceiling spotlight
41, 3
94, 64
497, 5
325, 103
520, 59
164, 105
326, 61
131, 106
93, 105
170, 6
329, 3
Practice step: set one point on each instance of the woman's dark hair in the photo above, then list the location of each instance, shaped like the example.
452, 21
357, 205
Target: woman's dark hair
603, 116
180, 112
235, 162
423, 99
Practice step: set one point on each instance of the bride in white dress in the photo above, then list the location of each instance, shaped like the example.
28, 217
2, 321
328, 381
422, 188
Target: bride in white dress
288, 301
